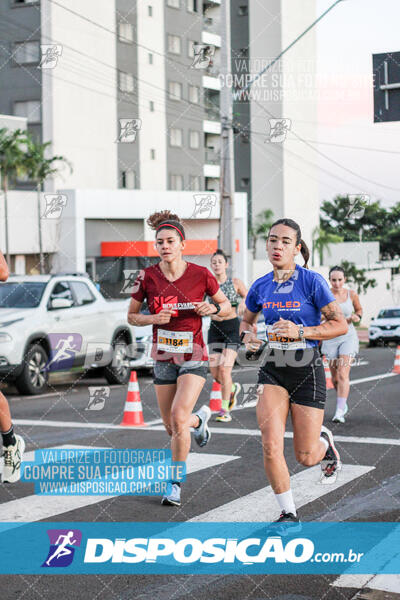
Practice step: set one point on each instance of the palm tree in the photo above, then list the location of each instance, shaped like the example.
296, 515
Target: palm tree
321, 241
261, 228
39, 168
12, 145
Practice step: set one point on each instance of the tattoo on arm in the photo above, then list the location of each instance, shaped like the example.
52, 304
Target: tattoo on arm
331, 311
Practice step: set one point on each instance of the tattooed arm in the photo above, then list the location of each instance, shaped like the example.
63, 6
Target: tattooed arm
334, 325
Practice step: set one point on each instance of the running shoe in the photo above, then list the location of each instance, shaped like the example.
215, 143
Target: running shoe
12, 460
236, 387
286, 524
331, 463
202, 433
223, 416
340, 414
174, 497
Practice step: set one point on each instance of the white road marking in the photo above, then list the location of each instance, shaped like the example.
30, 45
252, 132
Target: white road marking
372, 378
35, 508
79, 425
261, 505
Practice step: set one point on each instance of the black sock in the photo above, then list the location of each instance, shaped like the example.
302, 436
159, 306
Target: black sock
200, 422
9, 437
176, 483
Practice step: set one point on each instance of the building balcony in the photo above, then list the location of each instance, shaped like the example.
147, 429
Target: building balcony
212, 126
211, 35
211, 171
211, 83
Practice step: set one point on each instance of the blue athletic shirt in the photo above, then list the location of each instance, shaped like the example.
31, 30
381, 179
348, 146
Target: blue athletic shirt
299, 299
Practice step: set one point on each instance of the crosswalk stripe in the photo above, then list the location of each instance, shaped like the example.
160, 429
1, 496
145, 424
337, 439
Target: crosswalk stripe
35, 508
76, 424
261, 505
384, 583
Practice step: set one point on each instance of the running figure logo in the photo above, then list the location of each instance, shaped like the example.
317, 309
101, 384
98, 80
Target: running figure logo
97, 397
62, 547
203, 54
204, 203
50, 54
54, 206
251, 392
64, 346
278, 130
128, 129
132, 281
357, 205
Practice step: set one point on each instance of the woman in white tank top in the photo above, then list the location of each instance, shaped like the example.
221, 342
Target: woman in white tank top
341, 350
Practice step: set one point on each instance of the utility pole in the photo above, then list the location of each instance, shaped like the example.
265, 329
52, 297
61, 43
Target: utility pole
226, 235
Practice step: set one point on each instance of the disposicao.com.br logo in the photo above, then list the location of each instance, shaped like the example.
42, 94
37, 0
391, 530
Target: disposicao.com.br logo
62, 547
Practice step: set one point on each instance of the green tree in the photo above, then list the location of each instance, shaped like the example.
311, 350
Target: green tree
39, 166
12, 147
376, 224
261, 227
321, 240
357, 276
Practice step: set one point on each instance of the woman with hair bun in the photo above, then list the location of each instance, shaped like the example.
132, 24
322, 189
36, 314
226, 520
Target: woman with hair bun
175, 292
292, 379
223, 335
341, 350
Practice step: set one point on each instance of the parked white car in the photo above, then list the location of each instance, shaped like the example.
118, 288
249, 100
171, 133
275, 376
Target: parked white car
386, 326
58, 323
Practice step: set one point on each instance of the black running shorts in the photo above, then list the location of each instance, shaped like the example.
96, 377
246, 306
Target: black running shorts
300, 372
223, 334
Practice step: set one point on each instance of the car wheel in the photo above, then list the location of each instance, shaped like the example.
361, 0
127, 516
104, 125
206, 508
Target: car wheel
34, 376
119, 370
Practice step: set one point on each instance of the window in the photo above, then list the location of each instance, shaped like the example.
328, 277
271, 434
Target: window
191, 48
82, 293
194, 94
192, 5
243, 10
26, 52
176, 182
152, 154
195, 183
126, 83
174, 44
151, 105
174, 3
244, 182
125, 32
61, 290
128, 179
150, 11
176, 137
194, 139
29, 109
386, 73
25, 1
175, 90
150, 58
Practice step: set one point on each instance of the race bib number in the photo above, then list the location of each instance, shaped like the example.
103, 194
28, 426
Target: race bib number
280, 342
175, 341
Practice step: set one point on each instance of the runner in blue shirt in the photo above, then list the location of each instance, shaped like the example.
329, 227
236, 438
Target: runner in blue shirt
292, 299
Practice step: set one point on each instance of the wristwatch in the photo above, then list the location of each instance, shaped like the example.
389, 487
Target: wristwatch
218, 307
301, 332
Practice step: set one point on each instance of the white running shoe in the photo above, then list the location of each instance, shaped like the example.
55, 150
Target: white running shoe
12, 460
331, 463
340, 414
202, 434
174, 498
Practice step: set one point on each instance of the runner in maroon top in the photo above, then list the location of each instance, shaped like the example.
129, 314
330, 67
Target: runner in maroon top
175, 291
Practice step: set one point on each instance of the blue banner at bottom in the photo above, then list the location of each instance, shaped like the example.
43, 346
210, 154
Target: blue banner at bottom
194, 548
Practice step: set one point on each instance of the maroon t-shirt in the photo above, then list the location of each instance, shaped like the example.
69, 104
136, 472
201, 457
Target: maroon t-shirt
181, 339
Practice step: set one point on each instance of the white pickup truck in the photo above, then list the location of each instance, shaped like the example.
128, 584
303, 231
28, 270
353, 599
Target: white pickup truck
61, 323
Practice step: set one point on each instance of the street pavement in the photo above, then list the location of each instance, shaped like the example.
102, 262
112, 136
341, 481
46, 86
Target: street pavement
226, 482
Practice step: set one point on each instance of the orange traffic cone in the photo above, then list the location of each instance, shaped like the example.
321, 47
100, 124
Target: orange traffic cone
133, 412
396, 366
328, 374
216, 397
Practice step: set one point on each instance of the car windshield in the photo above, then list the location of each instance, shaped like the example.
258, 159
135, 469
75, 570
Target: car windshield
389, 313
21, 294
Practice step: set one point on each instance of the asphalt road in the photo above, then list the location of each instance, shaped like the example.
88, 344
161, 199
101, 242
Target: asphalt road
372, 492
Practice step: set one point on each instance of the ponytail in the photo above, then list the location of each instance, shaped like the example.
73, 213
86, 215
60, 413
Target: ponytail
305, 253
293, 225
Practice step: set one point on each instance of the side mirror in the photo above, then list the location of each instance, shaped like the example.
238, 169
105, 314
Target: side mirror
60, 303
